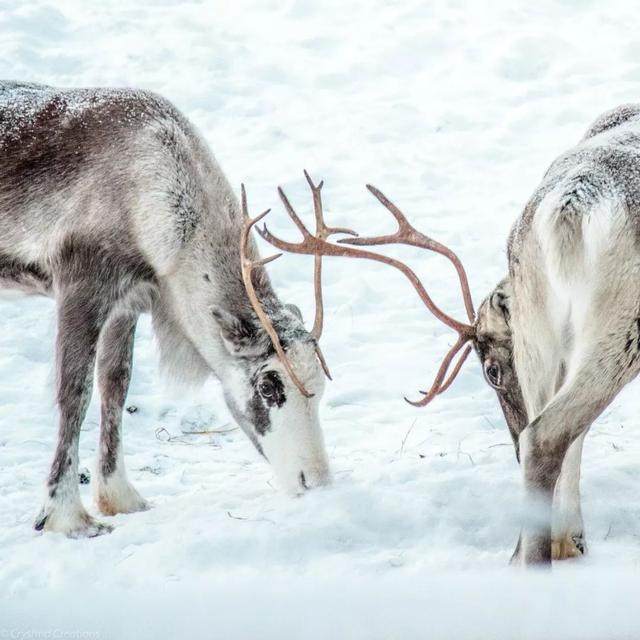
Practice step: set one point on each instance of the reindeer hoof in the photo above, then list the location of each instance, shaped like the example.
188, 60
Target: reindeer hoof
91, 529
568, 547
112, 499
78, 524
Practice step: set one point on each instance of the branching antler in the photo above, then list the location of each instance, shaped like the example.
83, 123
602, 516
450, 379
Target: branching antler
247, 266
322, 233
406, 234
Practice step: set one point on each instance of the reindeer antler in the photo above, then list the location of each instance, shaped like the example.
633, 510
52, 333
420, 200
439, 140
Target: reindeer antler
247, 265
322, 232
406, 234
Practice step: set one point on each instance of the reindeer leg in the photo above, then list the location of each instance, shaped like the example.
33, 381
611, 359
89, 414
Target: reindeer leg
541, 464
545, 441
81, 312
113, 492
568, 527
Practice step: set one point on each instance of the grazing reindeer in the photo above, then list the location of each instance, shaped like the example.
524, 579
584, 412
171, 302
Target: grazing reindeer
562, 333
560, 337
112, 204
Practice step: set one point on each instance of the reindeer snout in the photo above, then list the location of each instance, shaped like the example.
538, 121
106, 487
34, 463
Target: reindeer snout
313, 478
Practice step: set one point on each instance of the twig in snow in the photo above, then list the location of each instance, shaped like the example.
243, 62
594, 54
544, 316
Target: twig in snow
249, 519
489, 421
155, 470
406, 435
235, 517
221, 430
608, 531
125, 558
164, 436
460, 451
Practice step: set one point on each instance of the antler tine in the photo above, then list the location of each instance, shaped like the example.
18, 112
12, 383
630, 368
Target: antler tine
452, 376
243, 192
438, 387
247, 265
311, 183
408, 234
293, 215
401, 219
261, 263
322, 230
322, 233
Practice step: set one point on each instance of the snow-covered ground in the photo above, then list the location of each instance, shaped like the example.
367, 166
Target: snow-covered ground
454, 109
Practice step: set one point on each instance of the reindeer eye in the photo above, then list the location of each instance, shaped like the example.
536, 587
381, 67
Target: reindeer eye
267, 388
493, 373
271, 389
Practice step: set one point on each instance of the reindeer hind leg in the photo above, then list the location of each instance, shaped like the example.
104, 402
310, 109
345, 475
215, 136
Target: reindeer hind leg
81, 312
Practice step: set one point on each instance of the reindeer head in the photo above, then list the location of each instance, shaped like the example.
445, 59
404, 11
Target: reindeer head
494, 346
281, 422
275, 388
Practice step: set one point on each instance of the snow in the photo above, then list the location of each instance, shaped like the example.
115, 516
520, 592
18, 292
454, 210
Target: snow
454, 110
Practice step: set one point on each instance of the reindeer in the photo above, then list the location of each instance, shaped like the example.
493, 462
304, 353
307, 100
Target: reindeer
560, 336
112, 205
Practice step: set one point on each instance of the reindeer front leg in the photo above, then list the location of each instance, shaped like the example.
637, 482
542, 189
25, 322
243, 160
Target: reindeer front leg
541, 464
568, 539
544, 445
81, 312
112, 490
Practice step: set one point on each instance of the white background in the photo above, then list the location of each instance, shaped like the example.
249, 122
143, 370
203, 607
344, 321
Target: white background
454, 110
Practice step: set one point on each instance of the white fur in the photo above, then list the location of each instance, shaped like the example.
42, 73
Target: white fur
294, 443
572, 280
65, 513
115, 494
567, 512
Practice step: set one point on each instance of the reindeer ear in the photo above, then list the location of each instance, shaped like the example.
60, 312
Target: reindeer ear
240, 335
500, 299
295, 310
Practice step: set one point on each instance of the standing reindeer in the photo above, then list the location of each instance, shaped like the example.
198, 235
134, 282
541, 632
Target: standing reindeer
558, 338
112, 204
570, 309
